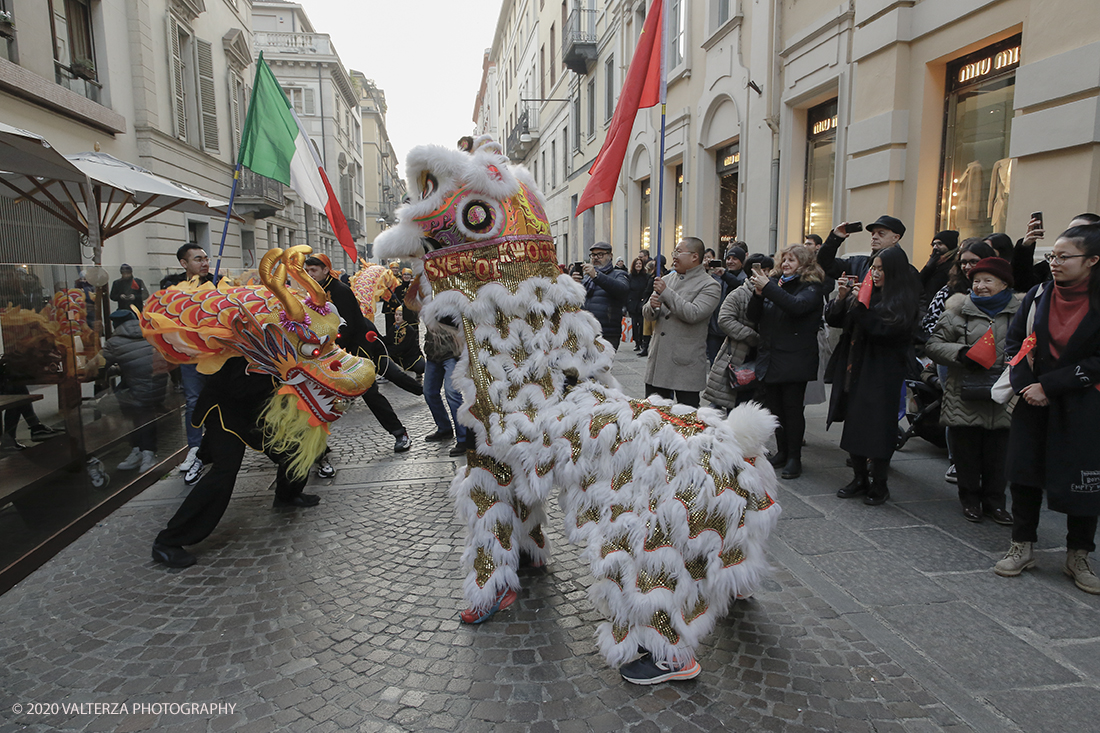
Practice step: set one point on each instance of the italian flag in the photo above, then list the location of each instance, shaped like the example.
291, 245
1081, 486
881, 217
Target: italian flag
274, 144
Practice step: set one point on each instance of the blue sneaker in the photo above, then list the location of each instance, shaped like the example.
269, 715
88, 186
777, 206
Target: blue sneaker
645, 671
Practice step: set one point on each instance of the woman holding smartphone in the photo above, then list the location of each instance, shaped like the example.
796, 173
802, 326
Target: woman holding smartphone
1052, 441
787, 311
869, 367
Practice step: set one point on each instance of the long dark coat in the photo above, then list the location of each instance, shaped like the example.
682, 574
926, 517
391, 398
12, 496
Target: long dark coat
1055, 447
867, 371
788, 316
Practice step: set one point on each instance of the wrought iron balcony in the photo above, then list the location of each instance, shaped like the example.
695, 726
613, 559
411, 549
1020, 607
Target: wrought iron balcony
524, 135
578, 49
258, 195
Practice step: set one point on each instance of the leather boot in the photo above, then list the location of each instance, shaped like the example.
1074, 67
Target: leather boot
879, 492
859, 484
793, 468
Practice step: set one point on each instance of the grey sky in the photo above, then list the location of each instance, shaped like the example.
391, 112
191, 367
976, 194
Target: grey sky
425, 54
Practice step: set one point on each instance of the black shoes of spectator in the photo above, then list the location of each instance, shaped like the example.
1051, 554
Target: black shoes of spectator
1000, 516
855, 487
402, 443
301, 500
458, 449
43, 432
173, 557
792, 469
439, 436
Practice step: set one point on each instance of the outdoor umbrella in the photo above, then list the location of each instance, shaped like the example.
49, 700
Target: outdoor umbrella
123, 194
29, 154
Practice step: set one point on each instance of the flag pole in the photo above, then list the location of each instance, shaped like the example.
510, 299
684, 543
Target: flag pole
661, 164
228, 216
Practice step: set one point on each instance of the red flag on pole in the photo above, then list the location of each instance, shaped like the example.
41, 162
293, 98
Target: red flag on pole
865, 290
641, 89
984, 352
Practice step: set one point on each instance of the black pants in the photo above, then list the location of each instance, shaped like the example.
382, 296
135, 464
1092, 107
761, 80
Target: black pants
980, 457
383, 411
787, 402
1027, 501
691, 399
203, 508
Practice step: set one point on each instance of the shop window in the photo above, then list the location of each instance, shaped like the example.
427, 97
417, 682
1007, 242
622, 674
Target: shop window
727, 161
821, 126
643, 209
976, 172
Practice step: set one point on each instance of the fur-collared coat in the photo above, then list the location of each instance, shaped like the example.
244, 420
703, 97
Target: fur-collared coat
962, 325
739, 343
678, 353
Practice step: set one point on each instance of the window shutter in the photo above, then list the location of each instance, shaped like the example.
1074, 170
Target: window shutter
207, 106
236, 92
179, 113
308, 101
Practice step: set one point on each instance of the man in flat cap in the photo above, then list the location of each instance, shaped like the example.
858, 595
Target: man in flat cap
886, 231
605, 291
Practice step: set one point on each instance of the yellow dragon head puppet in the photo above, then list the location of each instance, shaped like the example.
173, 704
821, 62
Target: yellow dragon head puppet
285, 332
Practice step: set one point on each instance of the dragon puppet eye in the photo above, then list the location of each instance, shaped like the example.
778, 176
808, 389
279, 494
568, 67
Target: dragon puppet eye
311, 351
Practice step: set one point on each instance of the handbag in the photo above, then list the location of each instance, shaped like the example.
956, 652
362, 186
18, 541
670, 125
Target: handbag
978, 387
1001, 392
742, 377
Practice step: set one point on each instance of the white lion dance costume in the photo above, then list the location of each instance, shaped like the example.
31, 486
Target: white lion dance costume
672, 505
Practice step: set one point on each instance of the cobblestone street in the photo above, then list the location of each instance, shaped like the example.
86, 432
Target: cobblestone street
344, 617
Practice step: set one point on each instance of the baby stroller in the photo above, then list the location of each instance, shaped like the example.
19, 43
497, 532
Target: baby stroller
920, 414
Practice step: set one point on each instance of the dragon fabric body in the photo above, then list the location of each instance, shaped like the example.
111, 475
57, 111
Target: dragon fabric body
672, 505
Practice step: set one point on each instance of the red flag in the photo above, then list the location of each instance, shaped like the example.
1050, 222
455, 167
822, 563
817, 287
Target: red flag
1025, 347
984, 352
865, 290
641, 89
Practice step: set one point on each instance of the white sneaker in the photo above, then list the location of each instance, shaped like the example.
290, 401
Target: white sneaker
192, 476
190, 459
148, 460
131, 461
96, 474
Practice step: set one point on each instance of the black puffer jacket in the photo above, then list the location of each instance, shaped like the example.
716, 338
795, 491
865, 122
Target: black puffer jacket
144, 370
788, 316
604, 298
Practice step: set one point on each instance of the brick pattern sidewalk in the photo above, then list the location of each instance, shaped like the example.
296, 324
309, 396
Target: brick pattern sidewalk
344, 618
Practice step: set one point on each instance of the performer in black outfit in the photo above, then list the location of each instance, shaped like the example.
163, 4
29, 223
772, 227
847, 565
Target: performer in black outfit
229, 407
360, 337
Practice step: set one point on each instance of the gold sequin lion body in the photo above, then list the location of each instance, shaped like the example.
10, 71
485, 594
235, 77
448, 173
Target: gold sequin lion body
672, 505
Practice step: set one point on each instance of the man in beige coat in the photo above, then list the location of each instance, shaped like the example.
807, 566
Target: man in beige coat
681, 304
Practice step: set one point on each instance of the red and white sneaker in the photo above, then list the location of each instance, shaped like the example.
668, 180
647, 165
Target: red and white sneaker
506, 598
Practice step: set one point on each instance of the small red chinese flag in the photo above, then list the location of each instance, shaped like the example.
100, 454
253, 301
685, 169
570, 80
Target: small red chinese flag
865, 290
1025, 347
985, 351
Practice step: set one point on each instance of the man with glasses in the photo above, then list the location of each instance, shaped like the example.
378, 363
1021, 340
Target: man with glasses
605, 291
886, 231
681, 304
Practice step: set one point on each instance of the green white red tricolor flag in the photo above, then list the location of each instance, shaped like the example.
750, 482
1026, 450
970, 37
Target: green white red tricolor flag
274, 144
641, 89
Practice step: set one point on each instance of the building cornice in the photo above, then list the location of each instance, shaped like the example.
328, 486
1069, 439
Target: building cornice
25, 84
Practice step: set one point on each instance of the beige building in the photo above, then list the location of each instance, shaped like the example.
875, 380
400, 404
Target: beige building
788, 116
383, 186
325, 99
158, 83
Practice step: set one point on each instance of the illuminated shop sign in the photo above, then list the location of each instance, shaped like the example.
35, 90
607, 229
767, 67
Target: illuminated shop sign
988, 63
822, 126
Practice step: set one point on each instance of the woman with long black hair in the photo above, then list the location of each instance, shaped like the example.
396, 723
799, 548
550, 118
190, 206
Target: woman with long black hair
787, 311
641, 285
1052, 441
869, 367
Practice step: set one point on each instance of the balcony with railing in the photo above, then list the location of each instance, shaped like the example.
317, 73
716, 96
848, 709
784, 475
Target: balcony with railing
524, 135
258, 195
578, 49
300, 43
80, 77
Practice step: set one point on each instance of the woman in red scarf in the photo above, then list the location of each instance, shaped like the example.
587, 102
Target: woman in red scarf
1052, 442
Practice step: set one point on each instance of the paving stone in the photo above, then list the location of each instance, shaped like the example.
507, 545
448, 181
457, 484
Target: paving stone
972, 647
928, 549
874, 578
343, 617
